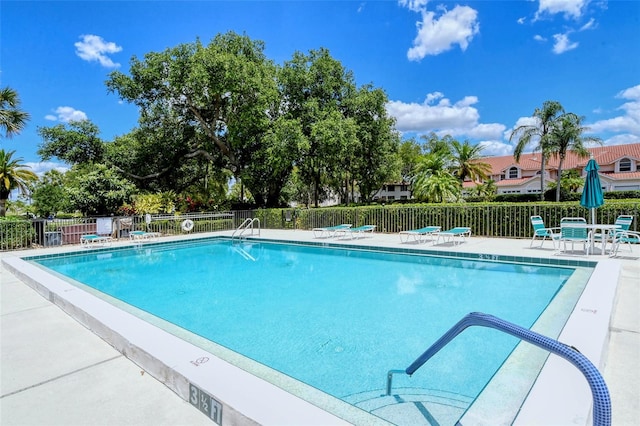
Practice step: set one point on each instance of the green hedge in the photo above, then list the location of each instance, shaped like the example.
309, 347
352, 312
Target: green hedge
174, 227
511, 220
16, 234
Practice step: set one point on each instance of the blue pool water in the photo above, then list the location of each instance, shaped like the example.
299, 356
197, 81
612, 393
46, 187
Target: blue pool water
333, 318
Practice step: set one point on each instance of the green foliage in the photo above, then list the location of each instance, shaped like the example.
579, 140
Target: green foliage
620, 195
467, 162
566, 135
433, 182
98, 190
163, 202
351, 138
511, 220
77, 143
539, 132
409, 154
49, 194
16, 234
217, 96
13, 175
12, 118
516, 198
174, 226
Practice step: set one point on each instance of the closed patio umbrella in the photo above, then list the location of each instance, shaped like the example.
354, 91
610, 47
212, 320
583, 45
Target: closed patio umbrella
592, 197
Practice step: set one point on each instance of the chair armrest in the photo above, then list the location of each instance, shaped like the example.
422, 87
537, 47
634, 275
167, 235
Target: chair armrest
630, 235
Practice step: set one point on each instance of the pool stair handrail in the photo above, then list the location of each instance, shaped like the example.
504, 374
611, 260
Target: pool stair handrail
249, 223
242, 252
599, 390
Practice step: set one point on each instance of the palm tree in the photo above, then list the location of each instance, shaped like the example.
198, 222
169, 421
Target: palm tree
526, 133
433, 182
466, 162
12, 175
566, 135
12, 119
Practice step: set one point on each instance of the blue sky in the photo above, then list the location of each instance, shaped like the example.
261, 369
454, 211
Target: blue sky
471, 69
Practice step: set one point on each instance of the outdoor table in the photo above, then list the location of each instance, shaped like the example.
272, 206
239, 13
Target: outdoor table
606, 229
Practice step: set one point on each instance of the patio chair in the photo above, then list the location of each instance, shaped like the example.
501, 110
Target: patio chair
418, 234
450, 235
540, 231
574, 230
329, 231
624, 237
93, 240
624, 223
140, 236
356, 232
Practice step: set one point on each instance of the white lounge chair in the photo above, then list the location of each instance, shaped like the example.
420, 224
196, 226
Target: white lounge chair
140, 236
461, 232
540, 231
329, 231
93, 240
356, 232
418, 234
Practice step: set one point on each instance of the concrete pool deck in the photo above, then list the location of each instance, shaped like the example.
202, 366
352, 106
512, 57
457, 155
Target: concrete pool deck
55, 371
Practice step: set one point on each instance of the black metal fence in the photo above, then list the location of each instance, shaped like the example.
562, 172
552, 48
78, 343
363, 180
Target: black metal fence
508, 220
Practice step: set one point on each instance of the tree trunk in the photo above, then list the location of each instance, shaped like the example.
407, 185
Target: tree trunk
559, 179
3, 207
316, 185
542, 168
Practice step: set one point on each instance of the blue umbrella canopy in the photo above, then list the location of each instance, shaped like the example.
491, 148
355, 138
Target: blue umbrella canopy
592, 197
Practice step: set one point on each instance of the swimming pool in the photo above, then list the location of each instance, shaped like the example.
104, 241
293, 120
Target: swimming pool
320, 332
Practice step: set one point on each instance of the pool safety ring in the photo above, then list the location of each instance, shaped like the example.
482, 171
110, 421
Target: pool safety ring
187, 225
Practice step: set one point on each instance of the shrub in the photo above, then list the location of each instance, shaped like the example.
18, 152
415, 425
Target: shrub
16, 234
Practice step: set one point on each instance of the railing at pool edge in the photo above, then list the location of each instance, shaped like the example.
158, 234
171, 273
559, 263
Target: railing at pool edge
599, 390
247, 224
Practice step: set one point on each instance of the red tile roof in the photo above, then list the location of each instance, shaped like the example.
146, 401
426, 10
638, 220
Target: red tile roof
623, 176
603, 155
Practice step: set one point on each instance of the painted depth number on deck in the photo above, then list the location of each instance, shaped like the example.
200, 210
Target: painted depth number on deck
205, 403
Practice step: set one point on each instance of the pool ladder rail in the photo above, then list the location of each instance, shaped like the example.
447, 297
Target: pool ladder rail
248, 224
599, 390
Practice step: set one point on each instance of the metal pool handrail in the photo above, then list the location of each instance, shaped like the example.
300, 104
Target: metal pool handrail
247, 224
599, 390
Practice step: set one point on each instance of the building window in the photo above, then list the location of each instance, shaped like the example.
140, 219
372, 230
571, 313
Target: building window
513, 173
391, 188
404, 187
625, 165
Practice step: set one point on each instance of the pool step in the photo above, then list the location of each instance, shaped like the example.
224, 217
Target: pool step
413, 406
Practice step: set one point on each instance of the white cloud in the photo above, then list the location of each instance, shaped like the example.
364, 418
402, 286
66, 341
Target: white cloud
622, 129
495, 148
629, 122
95, 48
569, 8
523, 121
437, 34
521, 20
44, 166
621, 139
414, 5
490, 130
589, 25
66, 114
538, 37
562, 43
438, 114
